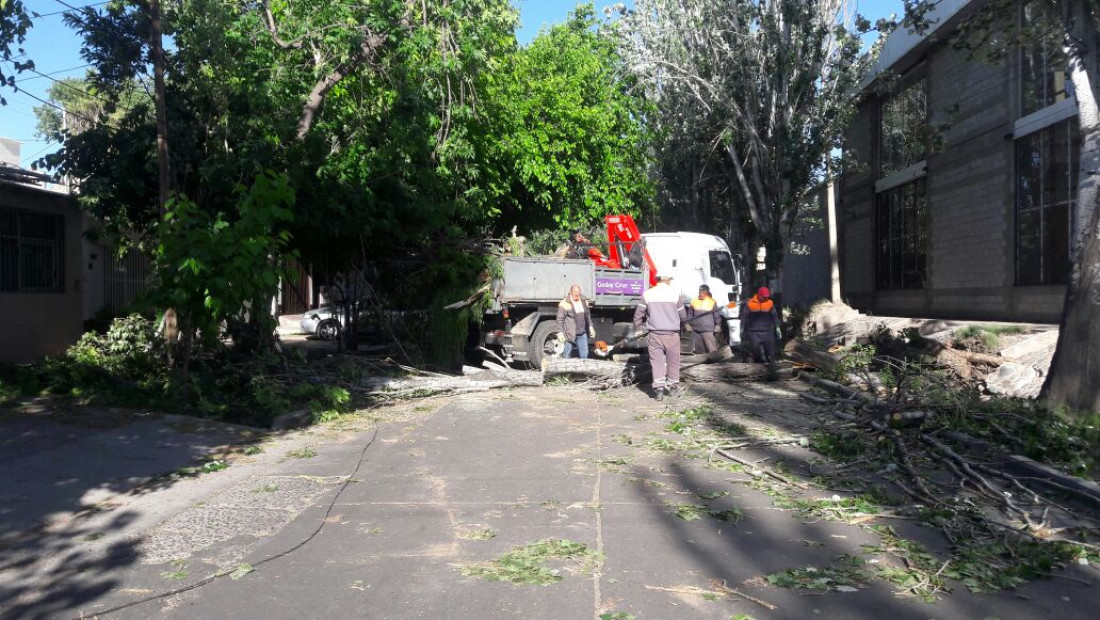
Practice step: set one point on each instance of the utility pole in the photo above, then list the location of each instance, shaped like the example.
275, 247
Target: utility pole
834, 248
158, 96
171, 328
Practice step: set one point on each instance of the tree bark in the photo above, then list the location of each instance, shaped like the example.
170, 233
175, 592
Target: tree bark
1074, 378
802, 352
733, 371
157, 51
616, 373
605, 372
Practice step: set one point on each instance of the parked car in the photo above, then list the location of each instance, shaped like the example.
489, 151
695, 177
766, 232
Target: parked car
324, 322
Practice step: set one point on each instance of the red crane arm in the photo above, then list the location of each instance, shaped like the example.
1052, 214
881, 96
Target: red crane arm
622, 234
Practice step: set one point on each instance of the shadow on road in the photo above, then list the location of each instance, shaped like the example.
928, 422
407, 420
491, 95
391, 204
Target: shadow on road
70, 477
772, 540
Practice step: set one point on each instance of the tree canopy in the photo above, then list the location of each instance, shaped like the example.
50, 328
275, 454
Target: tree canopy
566, 133
753, 97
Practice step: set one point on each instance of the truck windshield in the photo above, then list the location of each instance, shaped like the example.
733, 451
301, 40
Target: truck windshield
721, 266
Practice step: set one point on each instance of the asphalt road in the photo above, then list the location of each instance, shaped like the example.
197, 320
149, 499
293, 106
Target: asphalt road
404, 519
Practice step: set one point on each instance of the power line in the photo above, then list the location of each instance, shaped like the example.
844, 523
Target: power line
78, 90
70, 10
74, 89
31, 157
60, 109
55, 72
71, 7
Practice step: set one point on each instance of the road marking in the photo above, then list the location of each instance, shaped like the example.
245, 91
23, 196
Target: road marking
597, 574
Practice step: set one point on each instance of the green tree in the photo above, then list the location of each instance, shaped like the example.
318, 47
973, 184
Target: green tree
217, 272
566, 137
753, 98
77, 107
14, 24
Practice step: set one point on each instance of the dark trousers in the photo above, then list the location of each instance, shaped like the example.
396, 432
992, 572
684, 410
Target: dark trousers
763, 346
664, 359
705, 342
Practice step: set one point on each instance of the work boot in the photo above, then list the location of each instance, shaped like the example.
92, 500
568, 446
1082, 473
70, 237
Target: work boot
659, 394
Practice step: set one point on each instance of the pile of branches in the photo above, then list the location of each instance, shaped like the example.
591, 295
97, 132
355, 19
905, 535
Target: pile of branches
961, 365
948, 471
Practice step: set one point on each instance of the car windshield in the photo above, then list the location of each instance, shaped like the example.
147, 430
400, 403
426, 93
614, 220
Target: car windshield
721, 266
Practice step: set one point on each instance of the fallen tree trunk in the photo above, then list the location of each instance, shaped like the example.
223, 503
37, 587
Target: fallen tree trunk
609, 373
802, 352
721, 355
603, 372
724, 354
733, 371
434, 384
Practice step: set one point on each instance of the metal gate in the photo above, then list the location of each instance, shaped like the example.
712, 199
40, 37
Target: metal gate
125, 278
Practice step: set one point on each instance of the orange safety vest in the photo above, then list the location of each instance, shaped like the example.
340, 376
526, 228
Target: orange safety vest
755, 305
705, 305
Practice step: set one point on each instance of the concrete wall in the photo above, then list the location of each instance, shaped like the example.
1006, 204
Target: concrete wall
971, 197
806, 269
39, 324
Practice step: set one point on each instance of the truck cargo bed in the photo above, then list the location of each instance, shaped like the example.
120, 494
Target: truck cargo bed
546, 279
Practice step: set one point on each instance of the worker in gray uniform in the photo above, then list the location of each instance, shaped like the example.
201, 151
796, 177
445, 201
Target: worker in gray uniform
661, 311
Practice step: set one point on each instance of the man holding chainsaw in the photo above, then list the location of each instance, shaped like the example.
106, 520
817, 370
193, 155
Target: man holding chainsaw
661, 311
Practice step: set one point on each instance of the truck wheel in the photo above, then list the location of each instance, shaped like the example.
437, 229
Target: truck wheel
544, 342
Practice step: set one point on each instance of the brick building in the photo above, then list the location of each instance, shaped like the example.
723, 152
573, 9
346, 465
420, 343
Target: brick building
963, 204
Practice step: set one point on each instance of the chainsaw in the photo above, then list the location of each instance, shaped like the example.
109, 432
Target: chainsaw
602, 349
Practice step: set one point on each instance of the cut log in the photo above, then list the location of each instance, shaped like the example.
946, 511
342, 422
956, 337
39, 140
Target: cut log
721, 355
907, 418
802, 352
602, 372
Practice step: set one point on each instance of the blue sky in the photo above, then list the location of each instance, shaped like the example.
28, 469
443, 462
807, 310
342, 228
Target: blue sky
56, 52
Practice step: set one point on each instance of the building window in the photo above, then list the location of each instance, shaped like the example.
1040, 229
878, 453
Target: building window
32, 251
901, 236
903, 129
1046, 194
1043, 76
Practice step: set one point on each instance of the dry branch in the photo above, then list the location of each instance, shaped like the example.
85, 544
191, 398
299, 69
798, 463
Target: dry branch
754, 467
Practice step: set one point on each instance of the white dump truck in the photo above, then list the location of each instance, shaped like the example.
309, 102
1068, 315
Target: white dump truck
521, 322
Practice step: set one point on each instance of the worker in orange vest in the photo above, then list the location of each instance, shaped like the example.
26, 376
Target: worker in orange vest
701, 318
760, 322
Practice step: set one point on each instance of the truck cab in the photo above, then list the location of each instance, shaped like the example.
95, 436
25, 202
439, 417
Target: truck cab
694, 259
